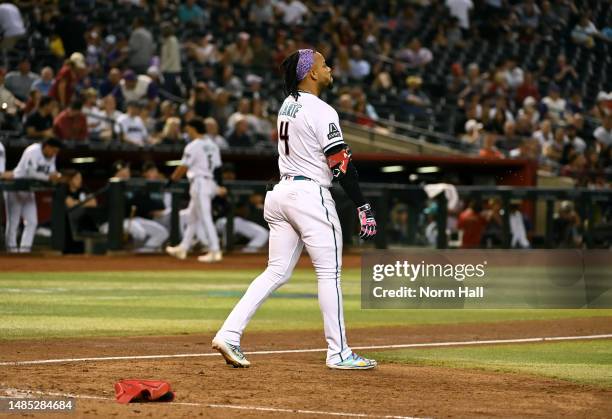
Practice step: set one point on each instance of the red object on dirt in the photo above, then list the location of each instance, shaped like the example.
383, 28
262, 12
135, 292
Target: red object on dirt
143, 391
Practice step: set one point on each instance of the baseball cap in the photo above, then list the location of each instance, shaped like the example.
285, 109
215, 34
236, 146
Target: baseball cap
529, 101
78, 59
129, 75
153, 71
472, 124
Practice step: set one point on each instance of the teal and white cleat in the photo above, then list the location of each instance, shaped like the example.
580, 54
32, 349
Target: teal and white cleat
354, 362
232, 353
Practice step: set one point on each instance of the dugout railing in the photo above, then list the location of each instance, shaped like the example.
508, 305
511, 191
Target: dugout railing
594, 207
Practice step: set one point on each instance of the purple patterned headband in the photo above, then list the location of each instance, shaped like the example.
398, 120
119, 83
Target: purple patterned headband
305, 63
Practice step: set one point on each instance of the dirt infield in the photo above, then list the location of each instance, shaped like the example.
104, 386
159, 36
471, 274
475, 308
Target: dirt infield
301, 381
121, 262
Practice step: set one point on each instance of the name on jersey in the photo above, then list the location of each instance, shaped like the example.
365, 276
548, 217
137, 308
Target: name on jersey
289, 109
334, 132
43, 169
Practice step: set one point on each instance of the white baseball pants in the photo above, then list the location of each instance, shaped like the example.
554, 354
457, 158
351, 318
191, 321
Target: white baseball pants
20, 205
257, 235
300, 213
152, 233
201, 191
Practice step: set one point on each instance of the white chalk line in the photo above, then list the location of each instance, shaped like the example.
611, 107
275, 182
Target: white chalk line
299, 351
18, 393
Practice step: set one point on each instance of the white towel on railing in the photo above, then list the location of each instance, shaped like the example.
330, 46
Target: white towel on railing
452, 197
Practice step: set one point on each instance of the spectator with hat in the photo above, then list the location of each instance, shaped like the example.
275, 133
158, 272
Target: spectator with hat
64, 84
473, 133
134, 88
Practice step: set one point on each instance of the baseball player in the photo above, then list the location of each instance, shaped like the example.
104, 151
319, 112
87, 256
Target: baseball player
37, 162
150, 234
301, 211
202, 163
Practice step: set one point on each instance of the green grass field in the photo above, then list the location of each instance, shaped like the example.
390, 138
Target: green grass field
583, 362
47, 305
43, 305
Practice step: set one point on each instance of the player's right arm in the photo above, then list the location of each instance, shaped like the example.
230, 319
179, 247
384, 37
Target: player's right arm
181, 170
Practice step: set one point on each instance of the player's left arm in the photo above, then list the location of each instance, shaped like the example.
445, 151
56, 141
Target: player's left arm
343, 169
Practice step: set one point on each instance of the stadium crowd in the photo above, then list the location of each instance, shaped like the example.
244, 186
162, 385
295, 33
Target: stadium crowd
134, 71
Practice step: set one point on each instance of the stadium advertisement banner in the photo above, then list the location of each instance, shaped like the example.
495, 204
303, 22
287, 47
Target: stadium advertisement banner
488, 279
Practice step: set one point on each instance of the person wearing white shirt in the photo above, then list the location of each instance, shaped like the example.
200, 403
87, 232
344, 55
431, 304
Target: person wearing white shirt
461, 10
603, 133
37, 162
132, 127
293, 11
11, 27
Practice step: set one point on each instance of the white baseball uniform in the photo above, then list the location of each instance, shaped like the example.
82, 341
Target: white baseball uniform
32, 165
301, 212
201, 157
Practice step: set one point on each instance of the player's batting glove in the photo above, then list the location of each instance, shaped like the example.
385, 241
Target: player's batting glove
367, 221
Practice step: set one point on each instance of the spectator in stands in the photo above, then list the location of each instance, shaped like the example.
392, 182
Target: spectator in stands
500, 114
212, 132
603, 133
293, 12
472, 224
230, 82
528, 88
20, 82
567, 227
239, 52
240, 136
513, 73
529, 112
415, 101
603, 106
117, 51
11, 27
365, 112
564, 74
191, 14
201, 100
204, 50
43, 84
261, 126
492, 235
91, 111
576, 168
133, 129
528, 15
553, 105
134, 88
141, 47
359, 68
109, 117
64, 84
575, 104
262, 55
473, 133
577, 143
71, 123
529, 149
261, 13
554, 150
39, 124
9, 105
111, 83
171, 133
243, 112
170, 60
585, 33
415, 56
460, 9
544, 135
222, 109
488, 149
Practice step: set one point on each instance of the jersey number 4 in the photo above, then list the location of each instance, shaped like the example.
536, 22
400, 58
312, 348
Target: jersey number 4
283, 135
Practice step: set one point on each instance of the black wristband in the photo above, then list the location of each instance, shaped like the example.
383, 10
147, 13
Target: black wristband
350, 184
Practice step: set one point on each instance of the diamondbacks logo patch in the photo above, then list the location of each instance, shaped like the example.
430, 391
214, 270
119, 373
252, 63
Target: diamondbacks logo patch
334, 132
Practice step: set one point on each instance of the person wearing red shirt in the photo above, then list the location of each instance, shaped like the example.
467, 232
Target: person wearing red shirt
64, 83
488, 149
473, 224
71, 123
